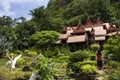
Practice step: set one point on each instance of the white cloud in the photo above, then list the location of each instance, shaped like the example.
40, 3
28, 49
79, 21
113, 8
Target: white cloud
6, 5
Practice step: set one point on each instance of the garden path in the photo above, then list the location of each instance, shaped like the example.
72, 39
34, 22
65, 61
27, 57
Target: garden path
100, 72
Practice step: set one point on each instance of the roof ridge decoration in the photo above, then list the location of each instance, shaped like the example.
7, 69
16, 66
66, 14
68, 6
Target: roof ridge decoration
89, 23
98, 21
111, 28
92, 31
79, 28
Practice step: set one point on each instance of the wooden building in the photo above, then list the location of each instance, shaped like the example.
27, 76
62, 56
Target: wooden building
89, 32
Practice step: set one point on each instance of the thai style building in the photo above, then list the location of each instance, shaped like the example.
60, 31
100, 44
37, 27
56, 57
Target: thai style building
89, 32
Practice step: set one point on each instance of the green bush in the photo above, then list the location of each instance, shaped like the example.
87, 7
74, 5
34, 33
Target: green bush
17, 75
44, 70
65, 51
26, 52
112, 76
88, 69
62, 59
78, 56
32, 53
94, 47
19, 52
114, 64
20, 62
76, 67
113, 45
93, 63
51, 52
24, 61
27, 75
93, 57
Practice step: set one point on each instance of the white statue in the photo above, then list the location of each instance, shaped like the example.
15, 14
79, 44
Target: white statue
33, 76
13, 61
8, 63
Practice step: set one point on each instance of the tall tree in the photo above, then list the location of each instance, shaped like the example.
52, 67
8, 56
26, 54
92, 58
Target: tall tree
43, 38
23, 32
6, 21
40, 16
103, 9
44, 20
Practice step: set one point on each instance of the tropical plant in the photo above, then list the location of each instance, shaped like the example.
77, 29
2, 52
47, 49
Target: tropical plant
5, 45
44, 70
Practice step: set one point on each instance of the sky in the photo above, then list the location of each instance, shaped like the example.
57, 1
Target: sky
18, 8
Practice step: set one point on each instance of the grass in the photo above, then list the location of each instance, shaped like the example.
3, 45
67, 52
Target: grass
3, 61
11, 75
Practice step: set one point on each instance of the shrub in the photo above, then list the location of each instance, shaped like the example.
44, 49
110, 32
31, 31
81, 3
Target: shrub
19, 52
27, 75
112, 76
43, 68
93, 57
26, 52
32, 54
62, 59
78, 56
76, 67
17, 75
114, 64
94, 46
20, 62
23, 61
65, 51
113, 45
93, 63
88, 69
51, 52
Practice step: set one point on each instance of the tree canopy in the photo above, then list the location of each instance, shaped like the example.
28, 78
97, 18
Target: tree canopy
44, 38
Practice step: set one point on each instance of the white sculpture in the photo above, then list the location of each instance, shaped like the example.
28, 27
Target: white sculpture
8, 63
33, 76
13, 61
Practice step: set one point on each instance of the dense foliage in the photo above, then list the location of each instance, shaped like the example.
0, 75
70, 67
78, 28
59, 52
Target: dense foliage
113, 45
44, 38
44, 70
73, 10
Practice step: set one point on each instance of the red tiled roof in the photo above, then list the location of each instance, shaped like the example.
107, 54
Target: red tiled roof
74, 39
